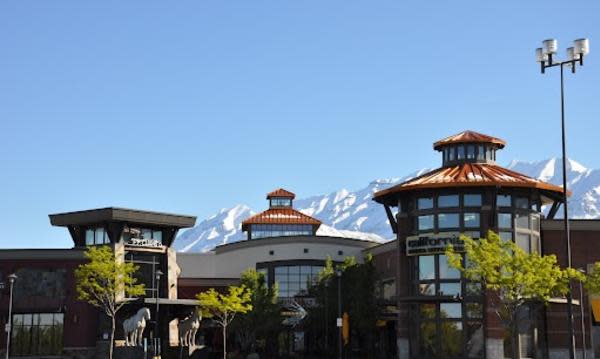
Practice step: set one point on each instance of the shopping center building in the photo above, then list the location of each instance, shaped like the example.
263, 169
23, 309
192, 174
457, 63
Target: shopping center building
429, 311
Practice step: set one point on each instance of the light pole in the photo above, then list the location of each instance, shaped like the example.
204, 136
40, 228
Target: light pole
338, 273
326, 316
583, 339
158, 274
575, 54
11, 280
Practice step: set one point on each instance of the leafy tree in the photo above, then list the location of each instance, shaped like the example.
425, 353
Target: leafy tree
103, 282
592, 283
224, 307
516, 277
264, 319
360, 301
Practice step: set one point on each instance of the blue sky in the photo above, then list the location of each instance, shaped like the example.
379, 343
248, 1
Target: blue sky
192, 106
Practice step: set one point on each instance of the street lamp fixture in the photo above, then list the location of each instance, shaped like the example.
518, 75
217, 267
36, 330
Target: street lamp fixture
11, 280
545, 56
575, 54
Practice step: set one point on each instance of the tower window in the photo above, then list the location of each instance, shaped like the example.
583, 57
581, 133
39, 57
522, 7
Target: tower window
481, 152
461, 153
281, 202
471, 152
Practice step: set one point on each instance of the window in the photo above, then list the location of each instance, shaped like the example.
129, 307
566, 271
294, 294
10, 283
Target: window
470, 152
451, 310
522, 220
503, 200
426, 267
472, 200
524, 241
96, 236
504, 220
446, 271
425, 203
451, 154
37, 334
460, 152
480, 152
425, 222
522, 202
452, 289
294, 280
448, 201
281, 202
471, 220
280, 230
448, 220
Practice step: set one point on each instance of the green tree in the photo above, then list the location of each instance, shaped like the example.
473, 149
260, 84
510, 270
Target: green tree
104, 282
259, 324
223, 308
515, 276
592, 283
359, 299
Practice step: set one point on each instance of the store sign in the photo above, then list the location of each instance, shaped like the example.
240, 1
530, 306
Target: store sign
144, 242
432, 243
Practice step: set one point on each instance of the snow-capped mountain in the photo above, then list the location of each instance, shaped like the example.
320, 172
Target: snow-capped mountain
582, 182
353, 213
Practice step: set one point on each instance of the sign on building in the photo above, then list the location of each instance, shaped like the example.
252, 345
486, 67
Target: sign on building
429, 243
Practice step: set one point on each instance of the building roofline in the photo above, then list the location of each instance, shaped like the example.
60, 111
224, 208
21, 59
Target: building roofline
119, 214
249, 243
465, 137
382, 248
428, 181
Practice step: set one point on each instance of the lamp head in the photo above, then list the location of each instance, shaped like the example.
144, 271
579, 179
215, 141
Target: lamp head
540, 56
12, 278
550, 46
581, 47
571, 54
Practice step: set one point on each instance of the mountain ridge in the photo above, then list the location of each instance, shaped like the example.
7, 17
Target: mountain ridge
353, 214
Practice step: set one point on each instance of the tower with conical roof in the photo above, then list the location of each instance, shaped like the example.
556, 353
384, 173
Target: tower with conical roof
471, 194
281, 219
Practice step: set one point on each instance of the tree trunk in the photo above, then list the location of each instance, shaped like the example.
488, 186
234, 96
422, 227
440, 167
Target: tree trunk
112, 338
514, 335
224, 342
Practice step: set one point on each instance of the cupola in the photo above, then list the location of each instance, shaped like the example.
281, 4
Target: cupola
468, 147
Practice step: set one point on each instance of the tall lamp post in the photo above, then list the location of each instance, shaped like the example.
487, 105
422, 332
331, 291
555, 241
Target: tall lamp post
11, 280
338, 273
575, 54
326, 316
158, 274
582, 313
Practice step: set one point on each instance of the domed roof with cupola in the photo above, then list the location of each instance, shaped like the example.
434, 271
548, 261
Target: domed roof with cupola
468, 160
281, 219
